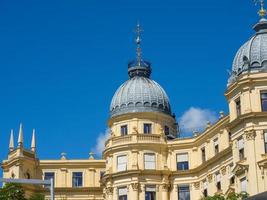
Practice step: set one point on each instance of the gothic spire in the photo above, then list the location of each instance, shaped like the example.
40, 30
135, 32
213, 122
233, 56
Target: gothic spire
11, 141
20, 139
33, 144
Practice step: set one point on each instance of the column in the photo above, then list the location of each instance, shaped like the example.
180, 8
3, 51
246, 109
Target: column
165, 190
109, 192
143, 192
135, 193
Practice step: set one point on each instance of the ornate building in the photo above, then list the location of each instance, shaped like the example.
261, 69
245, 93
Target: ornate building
144, 157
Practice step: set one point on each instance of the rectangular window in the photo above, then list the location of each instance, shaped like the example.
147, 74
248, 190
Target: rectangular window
238, 107
150, 161
265, 142
77, 179
243, 184
147, 128
122, 193
49, 176
218, 181
182, 161
264, 101
205, 188
150, 193
166, 130
203, 154
216, 146
183, 192
241, 149
232, 180
124, 130
121, 163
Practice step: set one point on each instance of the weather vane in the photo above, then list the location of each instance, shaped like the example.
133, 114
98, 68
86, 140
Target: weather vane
138, 40
262, 12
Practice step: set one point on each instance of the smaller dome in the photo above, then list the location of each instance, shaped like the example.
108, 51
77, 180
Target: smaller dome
252, 56
140, 94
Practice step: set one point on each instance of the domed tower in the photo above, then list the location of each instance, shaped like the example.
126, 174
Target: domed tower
140, 124
247, 98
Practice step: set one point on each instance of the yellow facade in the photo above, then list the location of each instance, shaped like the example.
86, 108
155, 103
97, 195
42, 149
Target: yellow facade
228, 156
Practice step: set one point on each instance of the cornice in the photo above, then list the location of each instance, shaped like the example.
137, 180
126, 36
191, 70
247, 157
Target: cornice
246, 116
246, 79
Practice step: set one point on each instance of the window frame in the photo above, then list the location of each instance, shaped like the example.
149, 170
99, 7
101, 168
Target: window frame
121, 164
262, 100
203, 154
147, 192
166, 130
187, 191
216, 146
265, 141
154, 162
241, 151
147, 128
241, 181
82, 178
184, 164
205, 188
124, 130
124, 196
218, 181
238, 107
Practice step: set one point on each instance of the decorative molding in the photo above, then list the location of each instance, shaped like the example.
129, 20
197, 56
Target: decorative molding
109, 190
250, 134
223, 170
135, 130
196, 185
165, 187
209, 176
135, 186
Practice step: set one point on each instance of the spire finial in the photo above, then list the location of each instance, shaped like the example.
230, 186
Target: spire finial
20, 139
11, 141
138, 40
33, 144
262, 12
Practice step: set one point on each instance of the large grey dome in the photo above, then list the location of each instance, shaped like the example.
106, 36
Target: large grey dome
140, 94
252, 56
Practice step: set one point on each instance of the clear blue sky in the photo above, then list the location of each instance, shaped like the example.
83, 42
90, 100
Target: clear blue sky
61, 62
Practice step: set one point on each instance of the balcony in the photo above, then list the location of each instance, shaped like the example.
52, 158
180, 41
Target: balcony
135, 138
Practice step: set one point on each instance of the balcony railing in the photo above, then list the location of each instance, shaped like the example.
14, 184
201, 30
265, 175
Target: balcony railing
135, 138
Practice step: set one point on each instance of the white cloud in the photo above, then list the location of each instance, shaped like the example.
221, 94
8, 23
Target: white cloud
100, 143
195, 119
